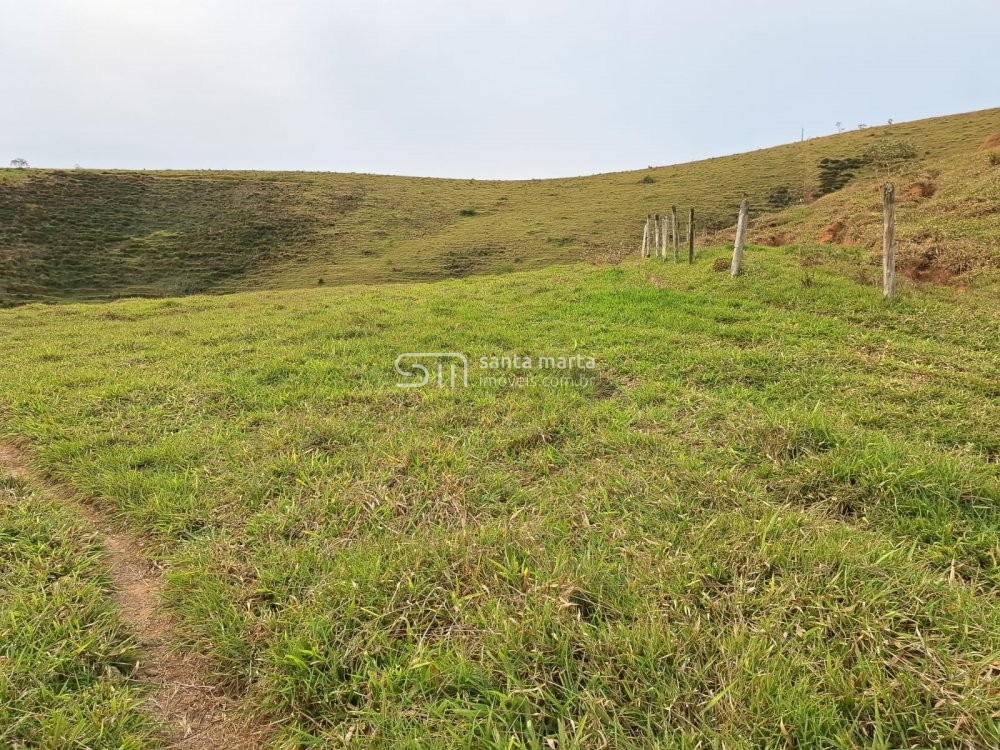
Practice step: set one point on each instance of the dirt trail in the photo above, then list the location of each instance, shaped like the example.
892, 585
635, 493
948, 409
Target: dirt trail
196, 714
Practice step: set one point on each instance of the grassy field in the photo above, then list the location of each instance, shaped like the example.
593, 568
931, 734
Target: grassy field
74, 235
768, 516
65, 656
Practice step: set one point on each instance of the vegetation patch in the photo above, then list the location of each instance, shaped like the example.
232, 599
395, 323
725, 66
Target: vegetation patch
780, 197
93, 234
835, 173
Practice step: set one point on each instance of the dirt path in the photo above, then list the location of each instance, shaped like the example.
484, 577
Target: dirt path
197, 715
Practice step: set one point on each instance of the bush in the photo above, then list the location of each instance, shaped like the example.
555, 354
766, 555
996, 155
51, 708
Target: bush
888, 152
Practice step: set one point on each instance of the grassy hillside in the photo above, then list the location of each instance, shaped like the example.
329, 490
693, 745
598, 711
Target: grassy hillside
767, 517
947, 217
87, 235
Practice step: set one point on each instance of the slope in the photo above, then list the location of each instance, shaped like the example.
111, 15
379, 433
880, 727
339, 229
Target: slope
947, 217
80, 234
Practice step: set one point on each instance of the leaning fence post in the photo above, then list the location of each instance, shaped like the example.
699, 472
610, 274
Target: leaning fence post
889, 243
741, 231
691, 236
673, 232
645, 239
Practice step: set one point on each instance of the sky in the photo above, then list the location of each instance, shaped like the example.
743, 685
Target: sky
494, 89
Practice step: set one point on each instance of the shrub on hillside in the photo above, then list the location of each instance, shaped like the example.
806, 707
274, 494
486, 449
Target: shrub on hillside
887, 153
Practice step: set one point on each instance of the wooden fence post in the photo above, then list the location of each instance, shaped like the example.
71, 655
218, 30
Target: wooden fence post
741, 231
889, 243
656, 235
649, 245
645, 239
673, 231
663, 233
691, 236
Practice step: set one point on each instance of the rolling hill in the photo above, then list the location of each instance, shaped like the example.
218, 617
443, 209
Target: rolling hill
85, 235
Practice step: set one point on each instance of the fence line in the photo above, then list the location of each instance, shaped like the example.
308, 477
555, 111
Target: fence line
655, 233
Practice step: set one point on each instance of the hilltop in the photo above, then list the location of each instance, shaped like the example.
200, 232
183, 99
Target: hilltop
83, 235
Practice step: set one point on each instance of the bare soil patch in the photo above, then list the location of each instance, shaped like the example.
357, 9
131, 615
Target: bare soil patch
929, 266
833, 234
992, 141
921, 190
777, 240
917, 270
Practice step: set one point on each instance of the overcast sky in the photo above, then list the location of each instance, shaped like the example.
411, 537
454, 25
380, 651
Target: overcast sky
472, 88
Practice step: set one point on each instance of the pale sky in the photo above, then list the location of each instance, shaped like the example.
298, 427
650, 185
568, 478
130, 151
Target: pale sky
472, 88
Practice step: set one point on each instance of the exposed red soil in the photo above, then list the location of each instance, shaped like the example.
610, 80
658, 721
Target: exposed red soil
777, 240
921, 190
992, 141
926, 268
833, 234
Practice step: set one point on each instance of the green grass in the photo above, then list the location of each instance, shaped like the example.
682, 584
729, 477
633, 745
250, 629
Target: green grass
771, 519
64, 655
72, 235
